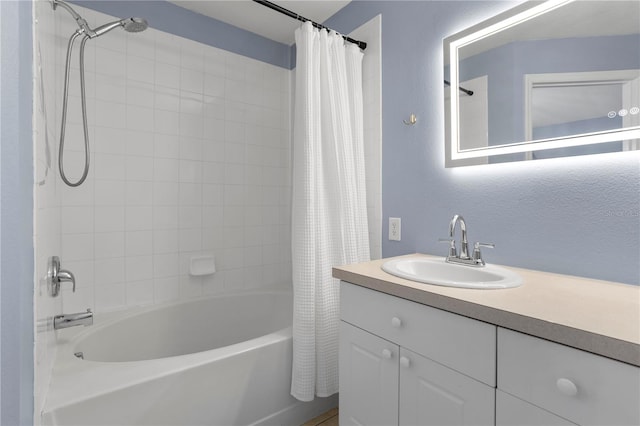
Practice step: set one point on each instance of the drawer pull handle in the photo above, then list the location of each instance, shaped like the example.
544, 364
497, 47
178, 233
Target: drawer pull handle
567, 387
396, 322
405, 362
386, 354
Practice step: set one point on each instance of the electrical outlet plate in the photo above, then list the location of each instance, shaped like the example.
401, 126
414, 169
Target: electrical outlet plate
395, 233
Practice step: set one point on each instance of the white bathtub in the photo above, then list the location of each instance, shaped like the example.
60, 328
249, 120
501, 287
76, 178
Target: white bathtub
223, 360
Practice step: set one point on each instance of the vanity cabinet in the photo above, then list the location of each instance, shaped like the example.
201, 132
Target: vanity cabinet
581, 387
403, 363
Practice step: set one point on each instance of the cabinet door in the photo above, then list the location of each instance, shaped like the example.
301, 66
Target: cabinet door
511, 411
431, 394
368, 378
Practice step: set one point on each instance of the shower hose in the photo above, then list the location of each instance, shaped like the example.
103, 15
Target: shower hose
84, 110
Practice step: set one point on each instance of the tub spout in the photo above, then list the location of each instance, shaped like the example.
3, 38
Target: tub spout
71, 320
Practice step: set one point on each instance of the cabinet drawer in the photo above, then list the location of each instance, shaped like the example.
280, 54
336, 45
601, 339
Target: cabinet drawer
511, 411
582, 387
461, 343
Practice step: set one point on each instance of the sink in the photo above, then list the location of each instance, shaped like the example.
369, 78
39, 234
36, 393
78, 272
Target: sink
439, 272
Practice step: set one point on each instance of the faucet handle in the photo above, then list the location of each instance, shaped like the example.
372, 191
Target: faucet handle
452, 246
477, 255
67, 276
56, 276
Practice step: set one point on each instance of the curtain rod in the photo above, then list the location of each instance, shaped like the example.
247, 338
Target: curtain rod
462, 89
361, 44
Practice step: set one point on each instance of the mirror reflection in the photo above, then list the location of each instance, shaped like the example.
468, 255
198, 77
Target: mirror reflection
565, 81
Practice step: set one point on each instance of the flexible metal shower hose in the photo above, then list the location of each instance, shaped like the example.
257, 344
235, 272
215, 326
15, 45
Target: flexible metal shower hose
84, 110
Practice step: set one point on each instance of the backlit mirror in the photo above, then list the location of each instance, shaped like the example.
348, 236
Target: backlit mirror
544, 80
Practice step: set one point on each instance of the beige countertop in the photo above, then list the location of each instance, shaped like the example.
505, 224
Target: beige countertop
597, 316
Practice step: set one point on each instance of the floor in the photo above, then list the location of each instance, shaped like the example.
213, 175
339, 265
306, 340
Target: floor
330, 418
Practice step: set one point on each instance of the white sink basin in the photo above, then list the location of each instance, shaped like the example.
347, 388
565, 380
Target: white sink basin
439, 272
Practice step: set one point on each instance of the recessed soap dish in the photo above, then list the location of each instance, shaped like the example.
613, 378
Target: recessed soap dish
202, 265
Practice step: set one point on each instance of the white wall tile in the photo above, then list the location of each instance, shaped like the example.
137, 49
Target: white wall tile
109, 218
109, 192
109, 245
166, 289
110, 297
110, 62
138, 243
77, 247
191, 80
165, 241
140, 69
139, 293
167, 122
166, 265
139, 168
166, 146
190, 152
167, 75
108, 271
77, 219
138, 268
138, 218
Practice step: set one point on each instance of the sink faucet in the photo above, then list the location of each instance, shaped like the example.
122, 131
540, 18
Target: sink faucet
463, 258
464, 244
71, 320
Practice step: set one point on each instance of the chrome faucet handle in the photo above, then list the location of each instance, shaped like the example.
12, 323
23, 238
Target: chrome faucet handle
56, 276
477, 255
452, 246
67, 276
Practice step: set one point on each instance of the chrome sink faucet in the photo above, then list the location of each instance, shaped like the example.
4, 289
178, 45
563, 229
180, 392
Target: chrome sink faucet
464, 244
463, 258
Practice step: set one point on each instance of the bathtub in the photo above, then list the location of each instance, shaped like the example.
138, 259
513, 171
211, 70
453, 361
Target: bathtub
223, 360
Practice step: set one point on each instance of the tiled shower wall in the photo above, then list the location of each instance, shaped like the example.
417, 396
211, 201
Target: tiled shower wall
191, 156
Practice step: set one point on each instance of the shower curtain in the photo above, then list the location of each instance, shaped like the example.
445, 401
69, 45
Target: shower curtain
329, 212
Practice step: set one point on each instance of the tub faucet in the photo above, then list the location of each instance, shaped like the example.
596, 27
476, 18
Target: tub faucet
463, 258
71, 320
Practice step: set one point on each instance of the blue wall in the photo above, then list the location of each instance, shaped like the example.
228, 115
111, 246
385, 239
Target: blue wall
578, 215
16, 215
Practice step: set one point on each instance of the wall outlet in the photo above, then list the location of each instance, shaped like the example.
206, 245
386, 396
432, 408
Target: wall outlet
395, 229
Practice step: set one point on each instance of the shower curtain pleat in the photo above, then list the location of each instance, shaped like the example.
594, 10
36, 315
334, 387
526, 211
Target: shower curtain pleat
329, 214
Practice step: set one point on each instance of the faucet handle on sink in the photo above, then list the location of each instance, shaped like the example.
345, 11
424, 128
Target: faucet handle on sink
477, 255
452, 246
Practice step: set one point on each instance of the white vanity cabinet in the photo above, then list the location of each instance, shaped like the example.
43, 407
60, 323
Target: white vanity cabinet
575, 385
403, 363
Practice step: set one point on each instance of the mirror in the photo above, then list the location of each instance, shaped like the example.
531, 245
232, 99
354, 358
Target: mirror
544, 80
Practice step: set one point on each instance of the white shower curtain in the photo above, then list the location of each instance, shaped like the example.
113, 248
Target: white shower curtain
329, 212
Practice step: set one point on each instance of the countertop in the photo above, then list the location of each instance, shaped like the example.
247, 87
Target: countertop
601, 317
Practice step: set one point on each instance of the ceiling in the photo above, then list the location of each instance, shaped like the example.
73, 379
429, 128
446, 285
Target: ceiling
261, 20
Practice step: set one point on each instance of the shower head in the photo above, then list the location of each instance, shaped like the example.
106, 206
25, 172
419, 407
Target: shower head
135, 25
132, 25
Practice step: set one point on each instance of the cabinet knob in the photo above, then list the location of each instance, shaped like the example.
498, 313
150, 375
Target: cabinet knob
396, 322
386, 354
567, 387
405, 362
